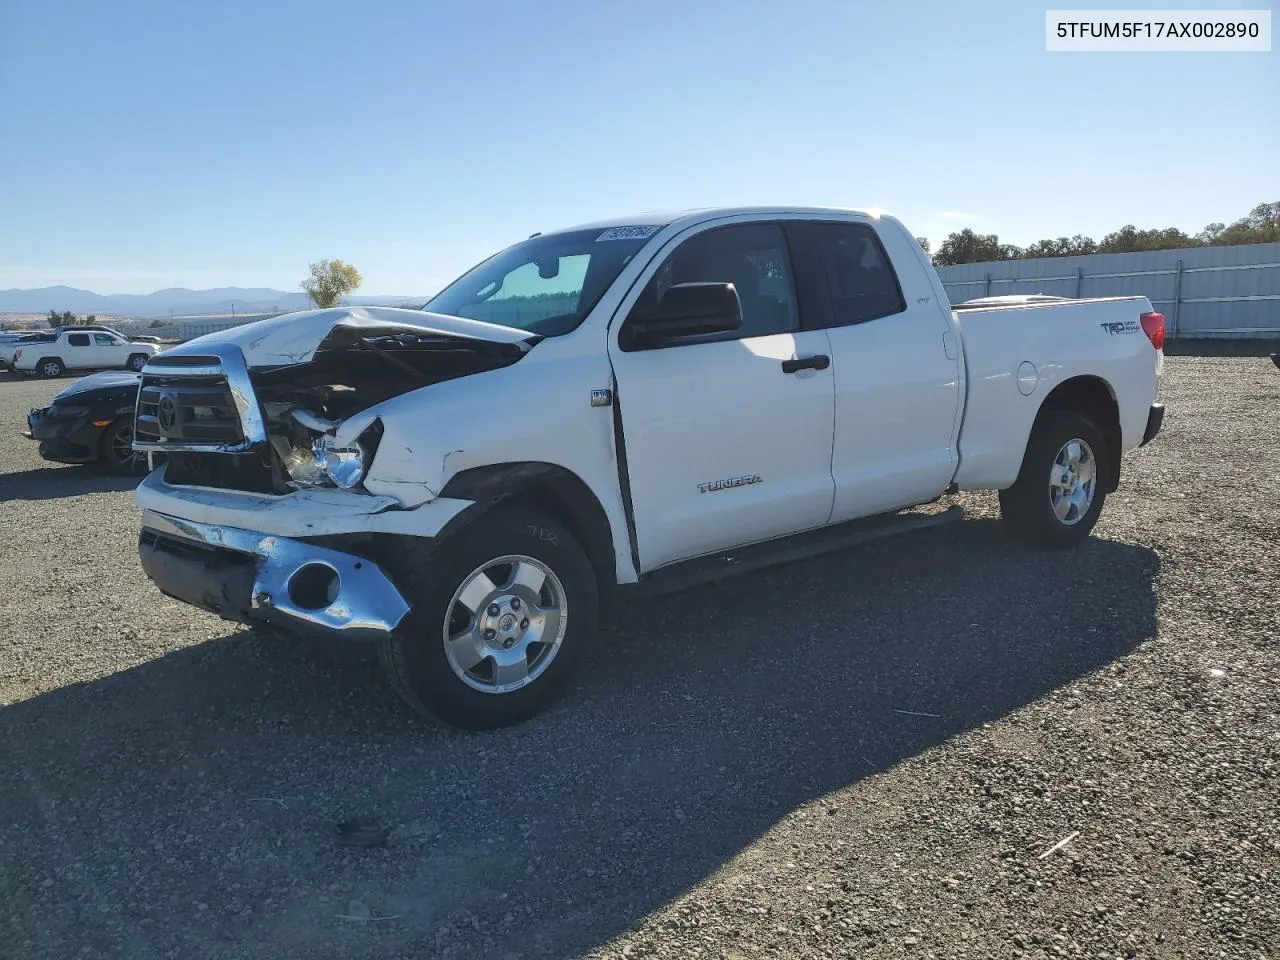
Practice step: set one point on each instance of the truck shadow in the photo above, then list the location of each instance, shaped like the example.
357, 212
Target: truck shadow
214, 776
53, 482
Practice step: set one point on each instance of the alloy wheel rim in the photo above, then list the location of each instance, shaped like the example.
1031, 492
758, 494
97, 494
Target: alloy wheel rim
1073, 480
505, 624
122, 446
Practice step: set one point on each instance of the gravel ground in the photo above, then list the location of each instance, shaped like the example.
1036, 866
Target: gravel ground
866, 755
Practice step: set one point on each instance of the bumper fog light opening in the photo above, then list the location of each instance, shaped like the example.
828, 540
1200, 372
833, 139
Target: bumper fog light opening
314, 586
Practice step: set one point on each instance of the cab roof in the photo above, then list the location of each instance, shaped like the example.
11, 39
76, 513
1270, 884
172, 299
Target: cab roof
665, 218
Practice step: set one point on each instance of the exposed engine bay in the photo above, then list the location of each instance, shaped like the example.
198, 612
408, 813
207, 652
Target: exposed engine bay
303, 406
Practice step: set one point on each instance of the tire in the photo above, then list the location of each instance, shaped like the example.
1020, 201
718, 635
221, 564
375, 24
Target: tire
51, 367
505, 545
112, 445
137, 361
1047, 506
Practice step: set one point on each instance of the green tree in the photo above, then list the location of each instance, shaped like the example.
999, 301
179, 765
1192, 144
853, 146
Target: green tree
969, 247
1129, 239
1211, 234
1062, 247
329, 281
55, 318
1262, 225
91, 318
924, 244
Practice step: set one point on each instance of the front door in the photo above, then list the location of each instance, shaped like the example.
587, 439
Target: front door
725, 442
110, 351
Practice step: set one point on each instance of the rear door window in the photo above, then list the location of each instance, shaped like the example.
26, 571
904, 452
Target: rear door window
852, 272
78, 339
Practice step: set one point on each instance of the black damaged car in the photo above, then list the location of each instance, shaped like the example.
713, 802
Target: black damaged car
91, 421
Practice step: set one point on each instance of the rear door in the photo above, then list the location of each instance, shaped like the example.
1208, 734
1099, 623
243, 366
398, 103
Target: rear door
724, 446
80, 353
895, 359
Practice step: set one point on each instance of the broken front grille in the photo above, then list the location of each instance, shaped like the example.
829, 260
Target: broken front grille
197, 410
198, 402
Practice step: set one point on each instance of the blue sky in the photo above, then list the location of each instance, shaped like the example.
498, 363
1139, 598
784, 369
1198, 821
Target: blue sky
152, 143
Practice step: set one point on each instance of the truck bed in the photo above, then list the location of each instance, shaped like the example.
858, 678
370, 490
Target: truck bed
1015, 353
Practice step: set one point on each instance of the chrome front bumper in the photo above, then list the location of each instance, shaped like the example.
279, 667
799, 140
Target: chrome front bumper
255, 578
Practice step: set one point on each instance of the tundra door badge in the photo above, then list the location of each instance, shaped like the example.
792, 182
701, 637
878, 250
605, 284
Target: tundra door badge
714, 485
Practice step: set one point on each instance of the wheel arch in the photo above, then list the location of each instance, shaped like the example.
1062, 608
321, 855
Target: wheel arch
1093, 396
546, 488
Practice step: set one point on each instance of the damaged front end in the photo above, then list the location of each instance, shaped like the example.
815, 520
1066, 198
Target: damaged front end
269, 435
276, 427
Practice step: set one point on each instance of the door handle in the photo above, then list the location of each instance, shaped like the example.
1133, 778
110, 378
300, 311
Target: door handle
819, 362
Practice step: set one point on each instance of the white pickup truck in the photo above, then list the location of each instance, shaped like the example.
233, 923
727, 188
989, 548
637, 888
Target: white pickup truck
84, 348
644, 403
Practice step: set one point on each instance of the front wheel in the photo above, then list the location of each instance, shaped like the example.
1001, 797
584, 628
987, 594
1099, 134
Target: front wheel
117, 450
136, 362
502, 613
1061, 487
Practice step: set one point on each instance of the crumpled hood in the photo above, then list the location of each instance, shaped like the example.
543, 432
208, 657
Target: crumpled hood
293, 338
108, 380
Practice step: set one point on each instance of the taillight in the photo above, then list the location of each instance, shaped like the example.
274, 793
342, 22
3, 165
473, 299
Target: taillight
1153, 327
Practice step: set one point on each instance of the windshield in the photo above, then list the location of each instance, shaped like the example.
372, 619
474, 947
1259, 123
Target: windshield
547, 284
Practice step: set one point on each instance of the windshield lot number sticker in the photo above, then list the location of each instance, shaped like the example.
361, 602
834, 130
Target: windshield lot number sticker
629, 233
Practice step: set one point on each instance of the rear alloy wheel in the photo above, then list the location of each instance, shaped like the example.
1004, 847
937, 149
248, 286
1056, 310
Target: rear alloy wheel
489, 640
1073, 480
137, 362
51, 368
117, 452
1062, 485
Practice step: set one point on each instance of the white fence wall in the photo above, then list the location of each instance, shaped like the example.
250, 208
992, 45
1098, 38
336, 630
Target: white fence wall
1204, 292
181, 329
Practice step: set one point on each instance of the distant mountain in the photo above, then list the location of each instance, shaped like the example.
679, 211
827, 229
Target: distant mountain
52, 298
175, 300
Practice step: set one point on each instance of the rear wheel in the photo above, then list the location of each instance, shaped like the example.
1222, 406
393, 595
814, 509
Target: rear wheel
1062, 485
117, 450
50, 367
502, 613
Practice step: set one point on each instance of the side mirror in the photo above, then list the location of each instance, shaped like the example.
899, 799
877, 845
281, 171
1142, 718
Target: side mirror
687, 310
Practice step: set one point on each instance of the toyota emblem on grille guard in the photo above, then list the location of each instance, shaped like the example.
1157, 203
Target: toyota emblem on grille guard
168, 412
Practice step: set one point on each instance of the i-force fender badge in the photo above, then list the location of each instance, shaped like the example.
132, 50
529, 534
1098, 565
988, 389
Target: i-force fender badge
714, 485
601, 398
